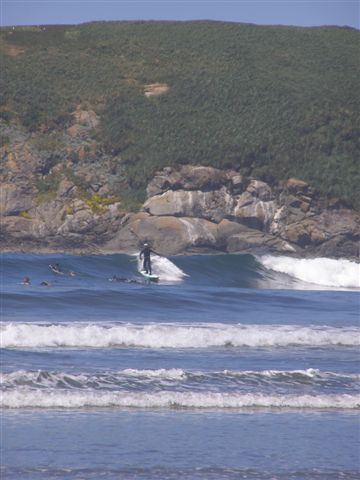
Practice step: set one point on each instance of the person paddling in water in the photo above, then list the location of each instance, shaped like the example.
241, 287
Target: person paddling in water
55, 268
146, 253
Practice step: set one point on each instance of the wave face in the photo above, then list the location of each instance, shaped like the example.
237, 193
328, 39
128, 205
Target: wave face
242, 271
174, 336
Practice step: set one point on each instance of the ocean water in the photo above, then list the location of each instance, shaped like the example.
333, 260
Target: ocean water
231, 367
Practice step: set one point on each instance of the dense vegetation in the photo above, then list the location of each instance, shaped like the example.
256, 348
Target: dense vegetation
272, 102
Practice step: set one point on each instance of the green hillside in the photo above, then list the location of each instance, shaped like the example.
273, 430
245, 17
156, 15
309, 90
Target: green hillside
273, 102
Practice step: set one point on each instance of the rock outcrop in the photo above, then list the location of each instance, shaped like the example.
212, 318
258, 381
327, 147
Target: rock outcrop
191, 209
202, 209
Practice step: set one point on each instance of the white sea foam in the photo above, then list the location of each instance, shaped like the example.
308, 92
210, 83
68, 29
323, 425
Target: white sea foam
293, 376
308, 373
45, 378
28, 335
27, 398
42, 378
165, 269
162, 373
319, 271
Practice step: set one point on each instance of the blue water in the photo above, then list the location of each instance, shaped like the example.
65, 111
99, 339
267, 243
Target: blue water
225, 369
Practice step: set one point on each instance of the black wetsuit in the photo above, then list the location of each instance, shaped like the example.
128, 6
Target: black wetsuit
146, 252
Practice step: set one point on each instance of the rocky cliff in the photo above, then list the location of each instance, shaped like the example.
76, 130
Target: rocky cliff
57, 189
202, 209
188, 209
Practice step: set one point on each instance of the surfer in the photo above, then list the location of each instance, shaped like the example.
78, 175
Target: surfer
55, 268
146, 253
26, 281
116, 278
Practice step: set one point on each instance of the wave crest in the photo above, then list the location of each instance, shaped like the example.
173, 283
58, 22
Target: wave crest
26, 335
114, 379
318, 271
56, 399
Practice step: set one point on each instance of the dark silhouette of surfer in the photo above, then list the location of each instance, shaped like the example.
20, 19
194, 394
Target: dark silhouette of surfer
146, 253
116, 278
56, 268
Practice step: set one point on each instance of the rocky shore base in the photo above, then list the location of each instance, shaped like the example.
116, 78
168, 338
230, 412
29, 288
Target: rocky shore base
192, 209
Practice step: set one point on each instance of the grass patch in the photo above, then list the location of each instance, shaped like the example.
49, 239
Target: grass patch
45, 197
274, 102
132, 200
49, 183
25, 214
98, 203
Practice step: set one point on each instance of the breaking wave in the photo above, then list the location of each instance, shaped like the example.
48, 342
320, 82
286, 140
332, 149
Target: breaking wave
173, 400
242, 271
318, 271
178, 376
165, 269
160, 335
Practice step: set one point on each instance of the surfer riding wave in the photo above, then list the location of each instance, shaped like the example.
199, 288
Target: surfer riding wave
146, 254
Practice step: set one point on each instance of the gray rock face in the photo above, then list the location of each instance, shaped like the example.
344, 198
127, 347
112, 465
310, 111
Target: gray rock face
260, 190
256, 213
213, 205
175, 235
255, 207
192, 209
175, 195
187, 178
15, 198
222, 212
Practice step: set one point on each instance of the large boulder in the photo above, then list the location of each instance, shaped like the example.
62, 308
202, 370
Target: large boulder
255, 207
260, 190
225, 230
171, 235
234, 237
254, 241
340, 246
188, 177
167, 235
15, 198
213, 205
257, 214
315, 230
16, 227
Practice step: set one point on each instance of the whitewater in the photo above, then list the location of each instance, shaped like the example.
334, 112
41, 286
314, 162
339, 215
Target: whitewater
325, 272
22, 335
231, 367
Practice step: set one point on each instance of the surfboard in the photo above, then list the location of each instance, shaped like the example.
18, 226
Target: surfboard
54, 269
152, 278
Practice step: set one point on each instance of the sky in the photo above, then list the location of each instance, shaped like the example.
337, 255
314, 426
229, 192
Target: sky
262, 12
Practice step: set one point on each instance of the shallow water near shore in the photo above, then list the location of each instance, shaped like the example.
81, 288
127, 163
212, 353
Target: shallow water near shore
230, 367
